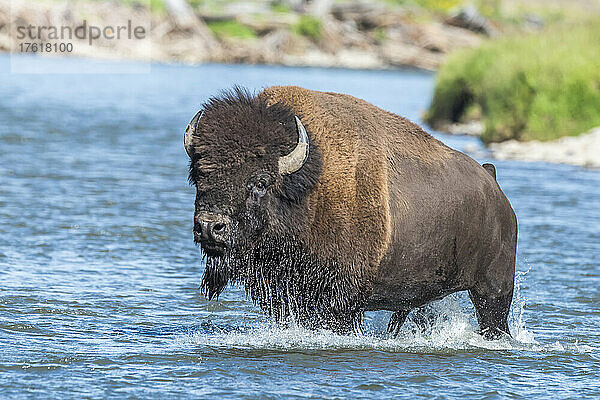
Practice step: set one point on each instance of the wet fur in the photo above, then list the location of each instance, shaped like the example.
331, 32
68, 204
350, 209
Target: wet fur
290, 284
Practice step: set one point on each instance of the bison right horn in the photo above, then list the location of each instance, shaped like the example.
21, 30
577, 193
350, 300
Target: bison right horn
292, 162
190, 130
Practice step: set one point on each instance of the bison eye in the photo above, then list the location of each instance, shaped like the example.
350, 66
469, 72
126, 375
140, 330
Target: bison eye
258, 186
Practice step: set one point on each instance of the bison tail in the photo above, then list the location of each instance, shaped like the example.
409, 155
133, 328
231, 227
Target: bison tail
491, 169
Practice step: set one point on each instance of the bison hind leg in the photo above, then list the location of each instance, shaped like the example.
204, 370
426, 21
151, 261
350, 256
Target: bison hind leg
493, 292
492, 313
424, 318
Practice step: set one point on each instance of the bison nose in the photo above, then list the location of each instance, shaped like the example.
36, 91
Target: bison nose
212, 228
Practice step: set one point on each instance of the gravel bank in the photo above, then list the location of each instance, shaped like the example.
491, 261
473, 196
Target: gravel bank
583, 150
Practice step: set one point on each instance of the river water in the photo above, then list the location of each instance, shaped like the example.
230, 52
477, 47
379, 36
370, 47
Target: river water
99, 276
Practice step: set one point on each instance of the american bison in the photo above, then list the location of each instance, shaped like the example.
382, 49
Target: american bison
324, 206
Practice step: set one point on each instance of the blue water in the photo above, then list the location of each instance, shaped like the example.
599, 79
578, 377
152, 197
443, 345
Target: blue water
99, 276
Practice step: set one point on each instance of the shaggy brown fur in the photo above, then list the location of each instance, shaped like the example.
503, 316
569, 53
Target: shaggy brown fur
381, 216
351, 200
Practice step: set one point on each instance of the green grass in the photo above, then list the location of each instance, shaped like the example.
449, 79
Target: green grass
310, 27
440, 6
158, 6
537, 87
231, 29
280, 8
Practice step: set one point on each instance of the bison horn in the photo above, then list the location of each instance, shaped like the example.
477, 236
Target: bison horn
189, 132
292, 162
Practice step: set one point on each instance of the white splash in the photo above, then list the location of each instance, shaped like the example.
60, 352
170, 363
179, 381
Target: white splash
450, 326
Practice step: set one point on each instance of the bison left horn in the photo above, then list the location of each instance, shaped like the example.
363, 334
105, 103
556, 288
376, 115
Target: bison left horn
189, 132
292, 162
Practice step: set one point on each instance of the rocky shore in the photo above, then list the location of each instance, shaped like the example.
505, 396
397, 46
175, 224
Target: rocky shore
351, 35
582, 150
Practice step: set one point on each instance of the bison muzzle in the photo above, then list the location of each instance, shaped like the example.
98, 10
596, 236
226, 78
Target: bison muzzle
324, 206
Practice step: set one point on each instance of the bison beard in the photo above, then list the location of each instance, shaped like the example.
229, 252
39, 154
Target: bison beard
289, 284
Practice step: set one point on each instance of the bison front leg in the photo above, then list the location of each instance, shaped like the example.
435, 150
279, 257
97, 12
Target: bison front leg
396, 321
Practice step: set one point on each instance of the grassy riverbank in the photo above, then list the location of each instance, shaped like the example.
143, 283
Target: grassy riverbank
538, 87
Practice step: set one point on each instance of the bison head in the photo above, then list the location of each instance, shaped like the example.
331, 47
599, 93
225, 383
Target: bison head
252, 165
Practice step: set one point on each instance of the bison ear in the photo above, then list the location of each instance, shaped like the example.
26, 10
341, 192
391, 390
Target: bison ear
189, 133
292, 162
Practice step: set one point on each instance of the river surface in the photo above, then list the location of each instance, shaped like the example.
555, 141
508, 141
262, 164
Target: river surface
99, 276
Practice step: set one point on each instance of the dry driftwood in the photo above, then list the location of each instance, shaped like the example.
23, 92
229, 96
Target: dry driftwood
183, 17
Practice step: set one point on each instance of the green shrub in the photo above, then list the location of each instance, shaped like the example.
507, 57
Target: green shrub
537, 87
380, 34
310, 27
230, 28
